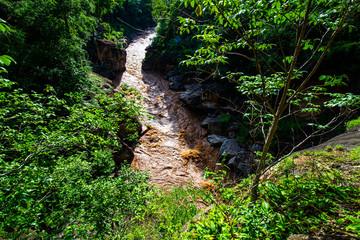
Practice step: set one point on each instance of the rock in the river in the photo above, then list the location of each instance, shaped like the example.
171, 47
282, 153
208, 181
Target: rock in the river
231, 148
205, 123
170, 74
216, 140
192, 96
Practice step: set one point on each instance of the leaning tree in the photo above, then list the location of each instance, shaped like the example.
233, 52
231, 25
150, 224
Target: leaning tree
285, 41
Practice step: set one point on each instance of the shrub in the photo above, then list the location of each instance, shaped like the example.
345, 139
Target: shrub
320, 197
352, 123
56, 161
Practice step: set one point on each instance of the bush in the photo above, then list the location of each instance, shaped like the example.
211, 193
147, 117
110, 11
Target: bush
313, 194
56, 161
352, 123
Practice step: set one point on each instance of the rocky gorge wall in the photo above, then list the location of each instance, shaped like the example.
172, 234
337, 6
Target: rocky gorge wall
107, 57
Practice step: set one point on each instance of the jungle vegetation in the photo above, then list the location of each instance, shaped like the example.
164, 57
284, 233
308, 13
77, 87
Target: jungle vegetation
59, 177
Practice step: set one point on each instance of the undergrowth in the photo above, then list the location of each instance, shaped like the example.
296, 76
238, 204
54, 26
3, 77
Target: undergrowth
352, 123
312, 193
166, 213
57, 163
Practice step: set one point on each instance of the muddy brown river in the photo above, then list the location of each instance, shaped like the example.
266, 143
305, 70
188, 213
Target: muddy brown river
175, 150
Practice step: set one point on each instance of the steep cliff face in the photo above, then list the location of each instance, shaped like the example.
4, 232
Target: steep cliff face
110, 56
107, 57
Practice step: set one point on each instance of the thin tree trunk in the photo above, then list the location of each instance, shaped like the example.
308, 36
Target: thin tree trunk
280, 108
269, 138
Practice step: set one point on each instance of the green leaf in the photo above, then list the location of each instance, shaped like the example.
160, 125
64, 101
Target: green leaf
198, 10
6, 60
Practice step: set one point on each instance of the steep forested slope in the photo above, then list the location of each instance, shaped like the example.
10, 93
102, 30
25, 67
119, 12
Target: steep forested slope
62, 135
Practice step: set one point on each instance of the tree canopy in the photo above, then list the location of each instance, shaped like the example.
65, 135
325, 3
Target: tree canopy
285, 42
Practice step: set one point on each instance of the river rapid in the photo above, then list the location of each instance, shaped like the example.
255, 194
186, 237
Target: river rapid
174, 149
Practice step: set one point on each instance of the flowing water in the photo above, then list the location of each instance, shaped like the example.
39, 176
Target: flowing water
174, 149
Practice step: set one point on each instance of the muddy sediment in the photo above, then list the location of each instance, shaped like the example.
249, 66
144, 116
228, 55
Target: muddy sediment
175, 149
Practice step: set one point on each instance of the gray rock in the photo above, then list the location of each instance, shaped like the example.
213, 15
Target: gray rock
216, 140
230, 148
202, 96
233, 162
241, 164
207, 120
213, 125
190, 85
170, 74
176, 83
192, 97
244, 164
349, 139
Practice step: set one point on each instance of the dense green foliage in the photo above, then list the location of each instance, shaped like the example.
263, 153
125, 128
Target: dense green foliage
231, 47
60, 132
285, 43
353, 123
166, 213
268, 36
168, 40
57, 162
313, 193
131, 16
58, 172
203, 20
49, 37
309, 193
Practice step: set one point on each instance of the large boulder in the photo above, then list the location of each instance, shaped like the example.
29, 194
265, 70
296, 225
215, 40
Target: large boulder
240, 160
231, 149
241, 164
192, 97
176, 83
213, 125
110, 55
216, 140
107, 57
202, 96
349, 140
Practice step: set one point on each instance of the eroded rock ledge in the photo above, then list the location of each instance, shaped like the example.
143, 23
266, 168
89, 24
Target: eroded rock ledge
107, 57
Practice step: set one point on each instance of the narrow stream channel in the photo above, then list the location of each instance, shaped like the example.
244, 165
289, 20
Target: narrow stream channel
175, 150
